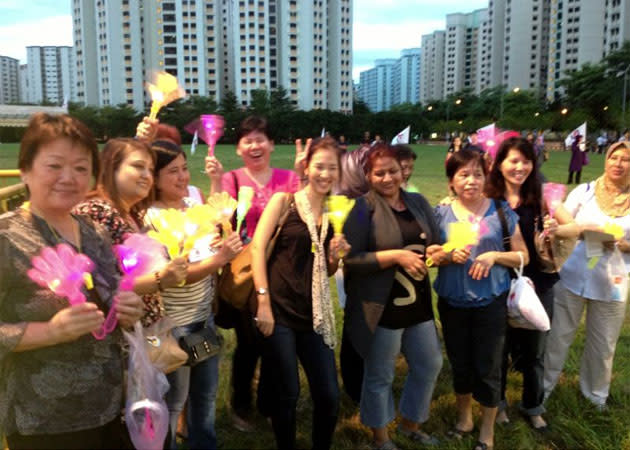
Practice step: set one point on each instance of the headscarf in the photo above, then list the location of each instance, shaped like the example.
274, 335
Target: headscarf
613, 200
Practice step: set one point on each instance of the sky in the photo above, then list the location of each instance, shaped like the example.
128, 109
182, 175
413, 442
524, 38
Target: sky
382, 28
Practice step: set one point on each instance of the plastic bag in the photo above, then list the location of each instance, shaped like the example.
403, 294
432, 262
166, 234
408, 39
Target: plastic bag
618, 277
146, 413
524, 307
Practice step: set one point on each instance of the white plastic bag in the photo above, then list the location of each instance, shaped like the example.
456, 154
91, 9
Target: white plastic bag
617, 276
146, 413
524, 307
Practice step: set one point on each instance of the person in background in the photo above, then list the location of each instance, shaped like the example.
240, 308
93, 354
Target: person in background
602, 140
625, 136
366, 140
190, 306
472, 285
454, 146
515, 178
578, 159
406, 158
60, 387
473, 142
254, 146
119, 202
593, 205
389, 307
342, 144
294, 307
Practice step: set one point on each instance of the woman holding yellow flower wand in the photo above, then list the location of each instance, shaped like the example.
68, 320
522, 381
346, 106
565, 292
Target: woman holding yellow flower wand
295, 310
388, 309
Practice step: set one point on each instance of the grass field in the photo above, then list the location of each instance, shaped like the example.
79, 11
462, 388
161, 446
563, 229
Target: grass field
574, 423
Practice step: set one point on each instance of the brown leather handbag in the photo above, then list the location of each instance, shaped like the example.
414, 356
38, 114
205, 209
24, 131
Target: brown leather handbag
236, 282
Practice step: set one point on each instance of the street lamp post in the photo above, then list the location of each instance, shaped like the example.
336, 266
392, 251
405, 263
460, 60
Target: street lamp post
448, 108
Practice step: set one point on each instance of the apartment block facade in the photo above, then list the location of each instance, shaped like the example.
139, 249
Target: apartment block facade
9, 80
213, 46
49, 75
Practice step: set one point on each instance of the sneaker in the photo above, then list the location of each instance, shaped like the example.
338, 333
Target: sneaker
241, 424
418, 436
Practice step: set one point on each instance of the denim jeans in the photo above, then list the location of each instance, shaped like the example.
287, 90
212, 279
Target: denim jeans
527, 351
198, 385
421, 348
281, 351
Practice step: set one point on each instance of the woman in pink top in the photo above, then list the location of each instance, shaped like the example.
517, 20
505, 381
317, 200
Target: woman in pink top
254, 147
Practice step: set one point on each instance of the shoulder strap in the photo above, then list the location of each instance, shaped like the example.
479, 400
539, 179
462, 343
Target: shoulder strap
504, 226
286, 208
235, 179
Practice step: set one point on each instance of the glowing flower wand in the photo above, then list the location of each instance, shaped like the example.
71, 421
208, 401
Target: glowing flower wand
209, 128
338, 207
224, 206
164, 90
553, 194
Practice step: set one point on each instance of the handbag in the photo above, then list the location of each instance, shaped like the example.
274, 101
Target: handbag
551, 251
236, 284
201, 345
524, 307
163, 349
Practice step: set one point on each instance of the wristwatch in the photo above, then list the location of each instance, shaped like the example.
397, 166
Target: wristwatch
262, 291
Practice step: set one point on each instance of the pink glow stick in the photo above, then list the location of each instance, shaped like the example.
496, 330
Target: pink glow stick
209, 128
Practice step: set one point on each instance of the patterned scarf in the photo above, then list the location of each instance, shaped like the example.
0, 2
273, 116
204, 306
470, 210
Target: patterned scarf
323, 315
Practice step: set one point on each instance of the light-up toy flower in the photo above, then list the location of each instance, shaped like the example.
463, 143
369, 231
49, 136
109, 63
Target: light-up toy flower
164, 90
63, 271
615, 229
170, 230
490, 138
245, 197
224, 206
462, 235
209, 127
553, 194
338, 207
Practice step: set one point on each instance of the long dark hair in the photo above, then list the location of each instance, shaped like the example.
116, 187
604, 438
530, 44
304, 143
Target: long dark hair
530, 191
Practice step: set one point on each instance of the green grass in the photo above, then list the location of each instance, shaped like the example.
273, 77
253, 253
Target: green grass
574, 422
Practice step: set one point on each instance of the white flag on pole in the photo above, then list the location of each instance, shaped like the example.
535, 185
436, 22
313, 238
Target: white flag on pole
581, 130
402, 137
195, 141
323, 133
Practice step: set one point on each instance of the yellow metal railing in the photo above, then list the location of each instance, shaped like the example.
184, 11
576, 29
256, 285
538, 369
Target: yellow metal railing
12, 196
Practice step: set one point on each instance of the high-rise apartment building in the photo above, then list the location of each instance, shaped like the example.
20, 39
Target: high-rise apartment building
9, 80
49, 75
213, 46
432, 66
407, 77
376, 85
391, 81
583, 31
462, 42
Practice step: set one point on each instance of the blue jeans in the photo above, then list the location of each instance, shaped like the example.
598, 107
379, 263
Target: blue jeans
421, 348
198, 385
281, 351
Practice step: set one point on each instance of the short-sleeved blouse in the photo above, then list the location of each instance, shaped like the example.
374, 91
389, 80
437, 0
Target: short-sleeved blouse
66, 387
281, 180
453, 282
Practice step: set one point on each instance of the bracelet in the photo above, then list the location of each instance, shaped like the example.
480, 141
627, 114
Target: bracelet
449, 256
158, 281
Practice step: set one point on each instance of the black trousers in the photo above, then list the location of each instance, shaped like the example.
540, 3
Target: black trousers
351, 365
524, 351
474, 339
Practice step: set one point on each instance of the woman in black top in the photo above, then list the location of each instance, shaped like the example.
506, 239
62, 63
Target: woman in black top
515, 178
295, 311
389, 308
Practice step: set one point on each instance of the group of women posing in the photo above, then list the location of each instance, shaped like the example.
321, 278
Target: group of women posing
62, 388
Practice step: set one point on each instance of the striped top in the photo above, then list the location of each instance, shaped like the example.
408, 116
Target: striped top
191, 303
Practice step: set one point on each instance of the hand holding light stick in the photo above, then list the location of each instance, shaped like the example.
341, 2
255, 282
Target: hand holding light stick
553, 194
461, 235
